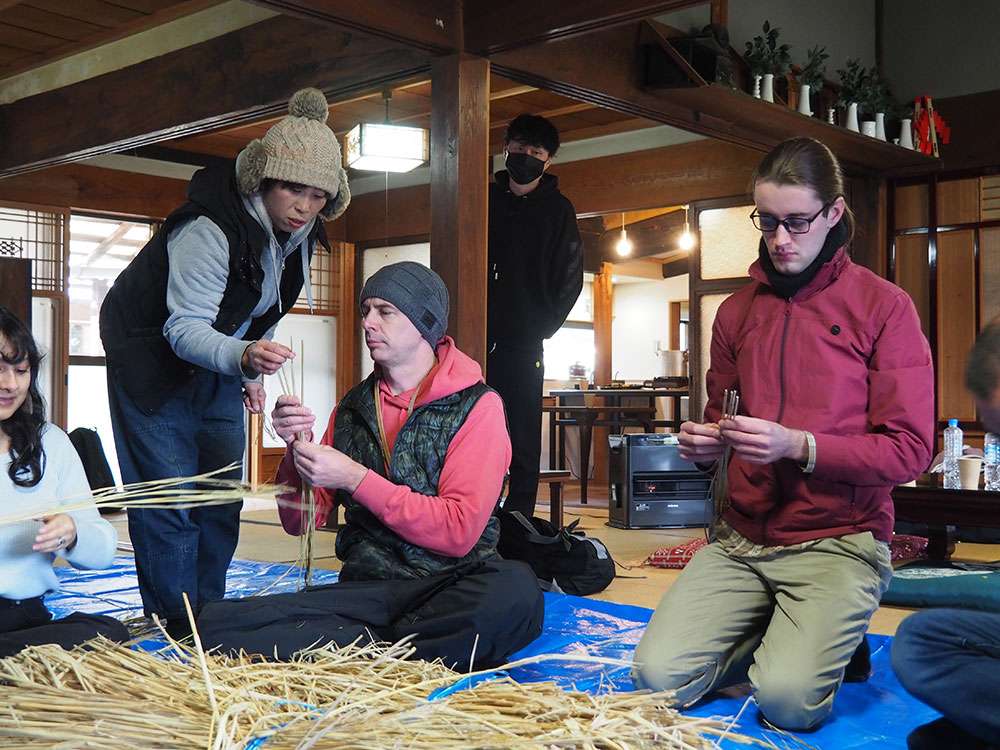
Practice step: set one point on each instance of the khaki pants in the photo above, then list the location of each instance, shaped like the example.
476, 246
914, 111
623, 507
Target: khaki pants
790, 621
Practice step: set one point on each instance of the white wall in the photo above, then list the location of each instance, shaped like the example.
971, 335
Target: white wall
318, 335
640, 319
846, 28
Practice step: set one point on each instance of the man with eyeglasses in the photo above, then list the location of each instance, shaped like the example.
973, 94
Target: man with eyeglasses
836, 405
535, 275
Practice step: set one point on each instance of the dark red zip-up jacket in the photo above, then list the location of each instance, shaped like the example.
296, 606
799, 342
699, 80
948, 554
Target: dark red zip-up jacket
846, 360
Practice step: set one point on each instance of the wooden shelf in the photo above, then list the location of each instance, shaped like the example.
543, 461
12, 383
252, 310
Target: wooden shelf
744, 119
763, 125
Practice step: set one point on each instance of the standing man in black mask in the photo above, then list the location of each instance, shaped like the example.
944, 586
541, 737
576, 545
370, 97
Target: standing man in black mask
535, 276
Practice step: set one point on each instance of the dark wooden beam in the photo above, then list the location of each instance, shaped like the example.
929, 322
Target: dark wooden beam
459, 180
720, 12
430, 25
232, 79
178, 156
492, 27
85, 188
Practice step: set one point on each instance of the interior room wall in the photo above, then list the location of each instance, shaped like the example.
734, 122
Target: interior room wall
845, 28
640, 319
941, 50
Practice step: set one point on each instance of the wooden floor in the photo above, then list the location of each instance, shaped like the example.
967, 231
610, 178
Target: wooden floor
262, 538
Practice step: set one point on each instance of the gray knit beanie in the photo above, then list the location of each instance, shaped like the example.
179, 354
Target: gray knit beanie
299, 148
417, 291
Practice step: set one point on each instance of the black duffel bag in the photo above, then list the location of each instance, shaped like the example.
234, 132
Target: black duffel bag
563, 559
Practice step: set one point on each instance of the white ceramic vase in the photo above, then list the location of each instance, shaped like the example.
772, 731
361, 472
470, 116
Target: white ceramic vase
852, 117
831, 115
756, 86
868, 128
767, 87
804, 107
880, 125
906, 133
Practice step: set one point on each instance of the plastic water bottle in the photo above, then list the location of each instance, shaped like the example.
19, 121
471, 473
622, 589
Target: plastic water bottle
952, 452
991, 461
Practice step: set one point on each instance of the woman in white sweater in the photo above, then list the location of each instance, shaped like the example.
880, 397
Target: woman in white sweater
39, 469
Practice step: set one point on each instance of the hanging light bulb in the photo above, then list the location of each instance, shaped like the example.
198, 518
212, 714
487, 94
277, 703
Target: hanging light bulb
624, 245
687, 240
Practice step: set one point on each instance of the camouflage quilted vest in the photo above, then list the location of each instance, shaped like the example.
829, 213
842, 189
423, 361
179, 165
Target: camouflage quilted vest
369, 550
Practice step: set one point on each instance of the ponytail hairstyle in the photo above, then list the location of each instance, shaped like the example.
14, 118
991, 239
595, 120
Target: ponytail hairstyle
24, 427
807, 163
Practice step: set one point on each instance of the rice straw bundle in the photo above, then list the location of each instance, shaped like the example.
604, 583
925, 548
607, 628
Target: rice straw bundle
355, 697
162, 493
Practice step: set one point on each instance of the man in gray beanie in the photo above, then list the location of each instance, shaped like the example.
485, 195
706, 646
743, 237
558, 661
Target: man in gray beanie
416, 453
187, 332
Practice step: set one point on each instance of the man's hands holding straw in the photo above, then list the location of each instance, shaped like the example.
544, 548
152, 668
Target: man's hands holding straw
319, 465
323, 466
756, 441
290, 417
58, 533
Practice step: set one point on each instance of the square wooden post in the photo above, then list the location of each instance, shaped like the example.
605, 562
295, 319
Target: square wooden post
460, 98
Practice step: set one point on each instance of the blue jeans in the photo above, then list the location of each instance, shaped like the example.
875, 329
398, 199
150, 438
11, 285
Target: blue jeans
950, 659
199, 429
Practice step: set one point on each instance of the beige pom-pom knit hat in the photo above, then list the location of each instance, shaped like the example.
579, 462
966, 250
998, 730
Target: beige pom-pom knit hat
299, 148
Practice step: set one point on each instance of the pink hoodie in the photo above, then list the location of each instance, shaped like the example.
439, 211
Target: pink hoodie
451, 522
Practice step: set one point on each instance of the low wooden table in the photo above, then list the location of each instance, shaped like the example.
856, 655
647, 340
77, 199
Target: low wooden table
572, 411
586, 418
943, 509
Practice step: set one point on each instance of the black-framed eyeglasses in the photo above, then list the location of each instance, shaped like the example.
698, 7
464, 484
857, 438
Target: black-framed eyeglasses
792, 225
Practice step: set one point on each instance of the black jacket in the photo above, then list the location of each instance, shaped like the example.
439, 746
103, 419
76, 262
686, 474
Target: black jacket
535, 263
135, 309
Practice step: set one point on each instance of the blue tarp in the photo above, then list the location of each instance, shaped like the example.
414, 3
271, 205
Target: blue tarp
876, 715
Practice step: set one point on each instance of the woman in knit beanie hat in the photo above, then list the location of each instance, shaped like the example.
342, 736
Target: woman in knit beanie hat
187, 332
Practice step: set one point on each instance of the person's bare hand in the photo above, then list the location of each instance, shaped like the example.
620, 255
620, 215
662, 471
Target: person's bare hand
762, 442
700, 443
323, 466
289, 418
254, 396
265, 357
58, 532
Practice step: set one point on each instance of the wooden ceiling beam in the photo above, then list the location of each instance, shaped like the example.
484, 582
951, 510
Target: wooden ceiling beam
569, 109
429, 25
107, 35
492, 27
233, 79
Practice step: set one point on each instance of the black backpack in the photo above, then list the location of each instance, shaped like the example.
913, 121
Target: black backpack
563, 559
95, 463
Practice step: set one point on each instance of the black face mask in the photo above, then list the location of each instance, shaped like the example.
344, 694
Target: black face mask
524, 169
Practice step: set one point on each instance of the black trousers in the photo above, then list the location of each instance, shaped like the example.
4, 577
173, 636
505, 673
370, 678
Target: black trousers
29, 623
517, 374
495, 607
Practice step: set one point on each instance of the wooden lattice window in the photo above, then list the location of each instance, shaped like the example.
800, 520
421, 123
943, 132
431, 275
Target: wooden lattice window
324, 272
39, 236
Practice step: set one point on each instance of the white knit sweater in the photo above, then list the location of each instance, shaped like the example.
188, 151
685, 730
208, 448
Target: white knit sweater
23, 572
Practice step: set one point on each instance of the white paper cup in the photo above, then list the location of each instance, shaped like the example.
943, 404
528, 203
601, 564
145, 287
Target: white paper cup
969, 469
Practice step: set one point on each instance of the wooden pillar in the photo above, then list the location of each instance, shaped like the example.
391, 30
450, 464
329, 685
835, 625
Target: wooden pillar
603, 299
15, 287
460, 92
348, 325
